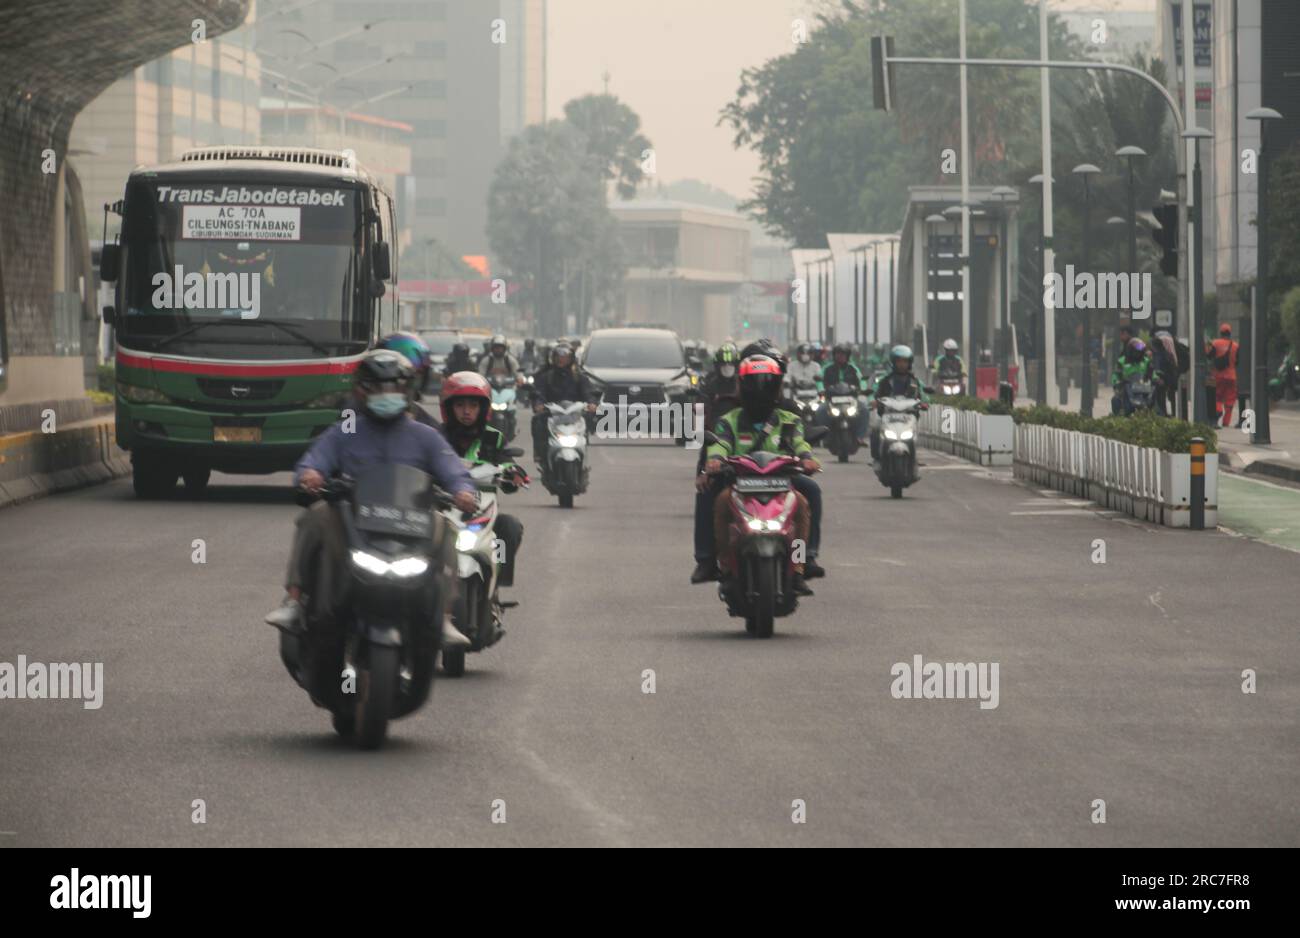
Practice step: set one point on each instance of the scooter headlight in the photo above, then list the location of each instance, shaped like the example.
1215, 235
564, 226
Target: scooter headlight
499, 405
835, 411
466, 539
850, 411
891, 435
369, 562
567, 439
905, 435
755, 524
408, 566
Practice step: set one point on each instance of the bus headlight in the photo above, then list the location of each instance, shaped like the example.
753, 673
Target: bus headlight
137, 394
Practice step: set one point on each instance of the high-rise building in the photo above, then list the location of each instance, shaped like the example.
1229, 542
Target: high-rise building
465, 75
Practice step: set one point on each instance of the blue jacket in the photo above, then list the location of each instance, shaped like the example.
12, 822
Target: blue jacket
375, 441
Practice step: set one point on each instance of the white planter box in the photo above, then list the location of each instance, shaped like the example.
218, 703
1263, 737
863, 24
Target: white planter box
983, 438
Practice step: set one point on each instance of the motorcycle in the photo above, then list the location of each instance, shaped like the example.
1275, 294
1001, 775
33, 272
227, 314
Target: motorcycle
762, 505
896, 466
1286, 383
477, 611
371, 659
805, 399
503, 417
951, 385
1141, 396
565, 472
842, 412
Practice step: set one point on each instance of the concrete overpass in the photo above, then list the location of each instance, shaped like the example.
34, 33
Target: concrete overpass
55, 57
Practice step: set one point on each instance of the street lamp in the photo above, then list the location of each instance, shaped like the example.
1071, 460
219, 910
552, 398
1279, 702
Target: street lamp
1043, 330
1195, 278
1129, 153
1259, 309
1086, 171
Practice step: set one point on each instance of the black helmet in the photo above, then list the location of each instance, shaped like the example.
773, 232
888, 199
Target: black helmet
383, 371
727, 354
530, 343
561, 348
765, 346
460, 348
760, 386
842, 347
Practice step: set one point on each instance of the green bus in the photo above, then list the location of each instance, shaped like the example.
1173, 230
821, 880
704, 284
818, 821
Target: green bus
249, 281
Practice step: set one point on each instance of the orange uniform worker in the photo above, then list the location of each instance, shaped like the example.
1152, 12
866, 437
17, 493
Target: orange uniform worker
1223, 367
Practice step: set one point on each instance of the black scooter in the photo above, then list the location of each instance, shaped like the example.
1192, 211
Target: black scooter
367, 654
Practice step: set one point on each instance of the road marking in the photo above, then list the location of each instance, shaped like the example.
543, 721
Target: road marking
1055, 511
1155, 601
1075, 502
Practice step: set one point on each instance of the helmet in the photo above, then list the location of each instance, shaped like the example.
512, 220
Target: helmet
760, 386
842, 347
460, 348
1136, 350
500, 340
727, 354
464, 384
416, 351
560, 348
900, 353
803, 349
530, 343
950, 345
1225, 329
764, 346
382, 373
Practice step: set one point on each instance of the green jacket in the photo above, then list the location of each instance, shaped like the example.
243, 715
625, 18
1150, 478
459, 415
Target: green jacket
783, 432
849, 374
1125, 371
486, 450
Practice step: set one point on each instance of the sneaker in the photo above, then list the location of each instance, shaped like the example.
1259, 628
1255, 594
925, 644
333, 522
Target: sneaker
705, 571
812, 569
453, 637
289, 616
800, 586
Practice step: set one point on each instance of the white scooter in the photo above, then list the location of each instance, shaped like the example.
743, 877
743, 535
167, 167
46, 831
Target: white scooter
896, 465
565, 472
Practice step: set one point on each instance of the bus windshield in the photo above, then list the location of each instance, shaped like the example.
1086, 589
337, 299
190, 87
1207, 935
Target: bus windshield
242, 270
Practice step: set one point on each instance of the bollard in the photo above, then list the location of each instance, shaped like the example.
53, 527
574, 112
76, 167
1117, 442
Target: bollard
1198, 483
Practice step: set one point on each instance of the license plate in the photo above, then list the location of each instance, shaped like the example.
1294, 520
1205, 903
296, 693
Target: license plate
237, 434
843, 401
762, 485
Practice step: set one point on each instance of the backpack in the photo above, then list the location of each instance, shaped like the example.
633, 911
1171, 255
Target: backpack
1184, 356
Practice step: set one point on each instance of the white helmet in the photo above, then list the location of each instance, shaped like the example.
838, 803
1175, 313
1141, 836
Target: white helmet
950, 345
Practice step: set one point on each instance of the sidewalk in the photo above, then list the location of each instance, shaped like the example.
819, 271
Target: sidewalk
82, 452
1279, 460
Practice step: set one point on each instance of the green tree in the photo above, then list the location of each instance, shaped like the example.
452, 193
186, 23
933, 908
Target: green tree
547, 220
614, 141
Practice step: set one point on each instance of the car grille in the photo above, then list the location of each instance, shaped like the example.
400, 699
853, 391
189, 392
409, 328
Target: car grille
648, 394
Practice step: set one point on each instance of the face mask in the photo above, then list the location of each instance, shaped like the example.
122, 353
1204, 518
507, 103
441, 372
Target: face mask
726, 371
386, 405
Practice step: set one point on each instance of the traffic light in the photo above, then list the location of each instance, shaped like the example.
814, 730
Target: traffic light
1167, 237
882, 73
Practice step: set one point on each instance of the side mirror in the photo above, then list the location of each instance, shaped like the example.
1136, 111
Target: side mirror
927, 389
709, 437
512, 452
110, 260
109, 315
381, 260
813, 434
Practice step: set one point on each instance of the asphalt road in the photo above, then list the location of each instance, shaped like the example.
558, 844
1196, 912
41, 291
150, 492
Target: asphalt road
1118, 681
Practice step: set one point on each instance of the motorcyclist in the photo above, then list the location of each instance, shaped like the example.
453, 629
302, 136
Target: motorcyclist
466, 401
528, 359
1133, 365
559, 382
418, 354
840, 370
805, 485
381, 432
803, 371
899, 381
458, 359
499, 362
949, 365
721, 387
757, 424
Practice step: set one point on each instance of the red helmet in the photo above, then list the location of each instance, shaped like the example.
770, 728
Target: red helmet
759, 365
1225, 329
464, 384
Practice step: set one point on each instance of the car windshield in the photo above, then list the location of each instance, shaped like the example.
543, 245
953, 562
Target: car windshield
440, 343
215, 264
651, 351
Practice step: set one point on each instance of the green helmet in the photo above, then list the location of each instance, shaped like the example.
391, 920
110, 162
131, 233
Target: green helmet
727, 354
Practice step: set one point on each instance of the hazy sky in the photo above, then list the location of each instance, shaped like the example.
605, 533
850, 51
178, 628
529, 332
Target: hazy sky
676, 63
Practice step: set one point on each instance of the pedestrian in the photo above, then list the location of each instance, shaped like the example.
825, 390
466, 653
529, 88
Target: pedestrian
1164, 363
1223, 366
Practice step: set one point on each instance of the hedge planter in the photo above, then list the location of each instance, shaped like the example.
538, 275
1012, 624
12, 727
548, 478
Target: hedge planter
983, 438
1140, 481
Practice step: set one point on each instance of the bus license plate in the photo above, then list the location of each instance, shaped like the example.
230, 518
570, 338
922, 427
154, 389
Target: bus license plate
237, 434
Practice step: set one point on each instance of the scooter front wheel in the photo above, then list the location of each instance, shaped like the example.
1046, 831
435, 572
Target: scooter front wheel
376, 695
764, 602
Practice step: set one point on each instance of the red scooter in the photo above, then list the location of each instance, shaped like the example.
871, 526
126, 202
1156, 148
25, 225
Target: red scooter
762, 556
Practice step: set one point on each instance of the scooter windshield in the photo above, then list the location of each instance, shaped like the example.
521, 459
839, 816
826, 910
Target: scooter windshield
393, 499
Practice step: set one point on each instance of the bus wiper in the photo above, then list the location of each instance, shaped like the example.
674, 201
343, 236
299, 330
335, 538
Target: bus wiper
296, 333
189, 330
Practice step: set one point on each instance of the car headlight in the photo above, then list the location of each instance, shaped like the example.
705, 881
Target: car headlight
141, 395
567, 439
466, 539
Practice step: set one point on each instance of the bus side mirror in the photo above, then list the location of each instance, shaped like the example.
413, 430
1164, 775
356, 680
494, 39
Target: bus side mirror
110, 316
109, 261
382, 261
